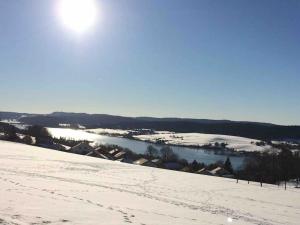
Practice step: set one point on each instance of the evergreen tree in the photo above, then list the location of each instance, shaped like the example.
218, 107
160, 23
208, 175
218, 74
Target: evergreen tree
11, 133
228, 166
195, 165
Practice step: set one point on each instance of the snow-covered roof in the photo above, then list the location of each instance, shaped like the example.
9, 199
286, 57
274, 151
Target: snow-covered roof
83, 145
140, 161
219, 171
120, 154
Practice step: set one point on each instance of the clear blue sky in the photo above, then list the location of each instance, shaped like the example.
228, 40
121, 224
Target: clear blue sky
216, 59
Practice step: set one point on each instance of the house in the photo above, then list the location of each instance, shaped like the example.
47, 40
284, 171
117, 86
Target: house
123, 157
82, 148
67, 148
157, 162
60, 147
113, 152
107, 153
95, 153
228, 176
186, 169
46, 142
204, 171
140, 161
125, 160
27, 140
120, 155
172, 166
144, 162
221, 172
101, 150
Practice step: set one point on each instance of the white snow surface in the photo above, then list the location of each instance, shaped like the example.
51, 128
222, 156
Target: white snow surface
42, 186
108, 131
199, 139
72, 134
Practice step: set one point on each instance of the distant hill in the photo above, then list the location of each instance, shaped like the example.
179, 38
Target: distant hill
262, 131
13, 115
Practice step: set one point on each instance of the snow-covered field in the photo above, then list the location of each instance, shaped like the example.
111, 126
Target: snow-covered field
15, 123
199, 139
41, 186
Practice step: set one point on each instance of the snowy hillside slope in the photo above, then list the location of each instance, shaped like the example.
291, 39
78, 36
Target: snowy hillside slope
41, 186
199, 139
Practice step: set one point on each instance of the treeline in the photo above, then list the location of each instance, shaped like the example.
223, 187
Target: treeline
11, 133
272, 168
167, 155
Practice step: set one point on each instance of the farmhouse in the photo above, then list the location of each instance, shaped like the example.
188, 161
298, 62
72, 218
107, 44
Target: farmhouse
82, 148
204, 171
120, 155
221, 172
144, 162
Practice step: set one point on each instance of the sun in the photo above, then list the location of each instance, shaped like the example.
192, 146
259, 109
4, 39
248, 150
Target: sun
78, 15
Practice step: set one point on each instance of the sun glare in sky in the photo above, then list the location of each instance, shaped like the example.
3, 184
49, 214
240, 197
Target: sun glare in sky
78, 15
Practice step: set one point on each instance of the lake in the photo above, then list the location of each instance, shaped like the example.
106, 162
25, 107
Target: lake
190, 154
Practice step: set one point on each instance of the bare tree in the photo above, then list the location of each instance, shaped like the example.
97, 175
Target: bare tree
167, 154
151, 152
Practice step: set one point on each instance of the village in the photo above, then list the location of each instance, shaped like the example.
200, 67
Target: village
163, 158
167, 160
